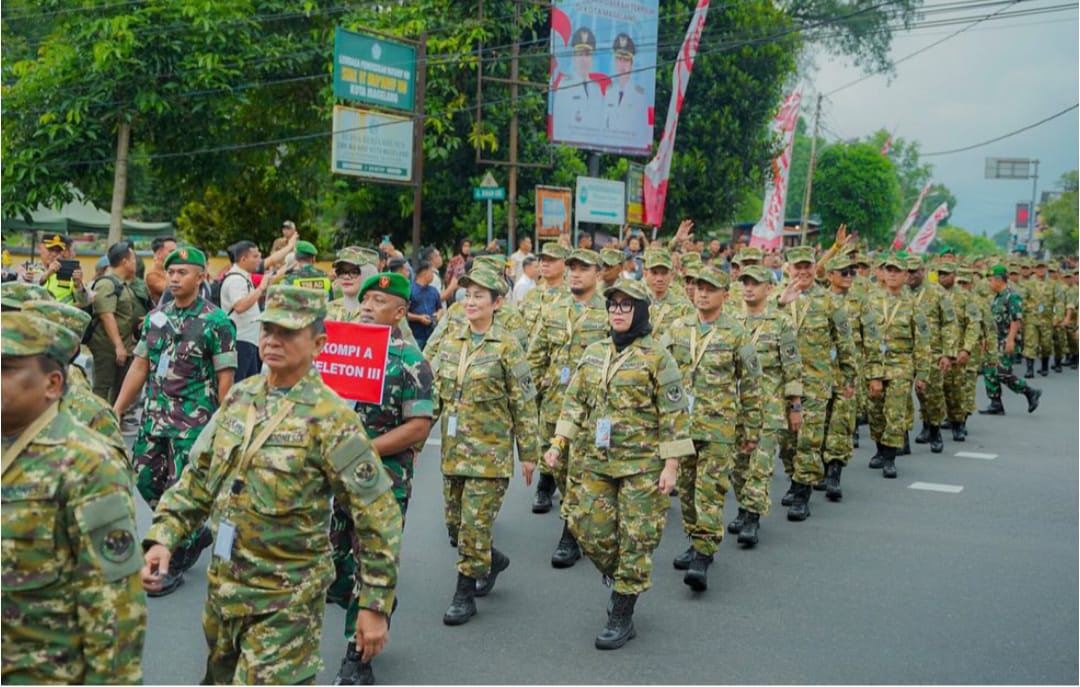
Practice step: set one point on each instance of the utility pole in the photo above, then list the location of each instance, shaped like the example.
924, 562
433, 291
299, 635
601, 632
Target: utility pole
418, 145
119, 194
1033, 216
805, 219
511, 209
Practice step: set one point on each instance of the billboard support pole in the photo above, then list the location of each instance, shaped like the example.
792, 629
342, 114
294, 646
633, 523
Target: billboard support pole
1032, 214
511, 209
418, 145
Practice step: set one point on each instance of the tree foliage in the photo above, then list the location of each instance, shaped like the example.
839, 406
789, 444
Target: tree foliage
856, 185
962, 242
1060, 215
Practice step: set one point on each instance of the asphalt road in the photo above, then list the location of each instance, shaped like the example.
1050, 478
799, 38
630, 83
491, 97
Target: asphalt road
893, 585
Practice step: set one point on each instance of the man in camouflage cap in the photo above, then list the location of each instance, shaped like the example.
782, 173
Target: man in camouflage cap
68, 526
611, 264
666, 306
353, 266
263, 473
552, 271
968, 344
1006, 312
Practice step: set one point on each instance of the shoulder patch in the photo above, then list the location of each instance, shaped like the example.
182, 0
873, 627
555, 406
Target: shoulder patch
109, 524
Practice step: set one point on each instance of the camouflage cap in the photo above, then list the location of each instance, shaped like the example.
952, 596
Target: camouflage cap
913, 262
14, 293
355, 255
1013, 267
611, 257
306, 248
690, 273
800, 254
758, 273
23, 333
186, 255
584, 256
894, 260
748, 254
690, 260
484, 278
293, 307
839, 262
860, 259
494, 262
75, 319
553, 249
388, 282
998, 271
712, 274
631, 287
657, 257
965, 274
946, 267
1038, 262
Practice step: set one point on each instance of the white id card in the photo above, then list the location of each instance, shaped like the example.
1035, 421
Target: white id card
451, 426
564, 376
884, 348
832, 354
223, 542
603, 433
690, 402
162, 365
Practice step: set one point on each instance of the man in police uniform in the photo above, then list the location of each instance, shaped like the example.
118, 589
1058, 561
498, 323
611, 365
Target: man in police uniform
306, 274
578, 97
625, 109
71, 289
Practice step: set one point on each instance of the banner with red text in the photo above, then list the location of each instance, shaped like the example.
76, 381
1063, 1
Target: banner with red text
353, 361
901, 233
769, 231
928, 231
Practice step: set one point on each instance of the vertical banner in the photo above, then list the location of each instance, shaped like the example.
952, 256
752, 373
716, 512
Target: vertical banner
926, 234
659, 168
901, 234
603, 74
552, 211
635, 193
769, 231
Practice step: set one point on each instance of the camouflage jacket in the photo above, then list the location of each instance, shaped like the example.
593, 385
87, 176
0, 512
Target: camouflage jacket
335, 310
662, 313
280, 502
639, 394
773, 338
825, 344
407, 393
566, 328
89, 409
936, 305
1006, 308
486, 396
864, 333
721, 375
185, 348
507, 316
968, 321
905, 337
1039, 302
535, 301
73, 606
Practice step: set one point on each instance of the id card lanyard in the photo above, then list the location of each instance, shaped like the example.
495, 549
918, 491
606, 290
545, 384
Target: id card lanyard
465, 361
887, 321
610, 369
695, 360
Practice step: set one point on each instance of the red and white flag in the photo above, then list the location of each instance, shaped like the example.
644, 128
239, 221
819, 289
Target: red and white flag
888, 145
768, 232
928, 230
659, 168
901, 234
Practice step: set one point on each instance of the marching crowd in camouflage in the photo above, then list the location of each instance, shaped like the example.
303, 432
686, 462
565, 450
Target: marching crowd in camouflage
623, 392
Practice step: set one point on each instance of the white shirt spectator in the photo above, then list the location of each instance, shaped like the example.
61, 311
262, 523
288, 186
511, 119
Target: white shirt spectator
232, 290
523, 286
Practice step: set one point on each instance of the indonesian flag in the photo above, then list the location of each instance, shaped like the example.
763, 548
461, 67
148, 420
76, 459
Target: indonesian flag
768, 232
888, 145
659, 168
928, 230
901, 233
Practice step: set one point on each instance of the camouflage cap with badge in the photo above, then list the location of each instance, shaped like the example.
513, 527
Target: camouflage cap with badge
946, 267
839, 262
186, 255
612, 257
657, 257
388, 282
493, 262
630, 287
75, 319
800, 254
758, 273
913, 263
584, 256
965, 275
555, 250
14, 293
689, 260
25, 334
894, 260
293, 307
485, 279
712, 274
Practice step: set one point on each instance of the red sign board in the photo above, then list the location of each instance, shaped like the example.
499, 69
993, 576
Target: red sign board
353, 361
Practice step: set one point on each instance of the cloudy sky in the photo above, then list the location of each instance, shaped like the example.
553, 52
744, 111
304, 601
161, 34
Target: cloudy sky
988, 81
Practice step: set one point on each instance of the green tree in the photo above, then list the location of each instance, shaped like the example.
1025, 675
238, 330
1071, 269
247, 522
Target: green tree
1060, 215
856, 185
962, 242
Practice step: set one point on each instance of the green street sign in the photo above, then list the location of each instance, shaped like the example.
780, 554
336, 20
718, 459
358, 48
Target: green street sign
488, 193
374, 70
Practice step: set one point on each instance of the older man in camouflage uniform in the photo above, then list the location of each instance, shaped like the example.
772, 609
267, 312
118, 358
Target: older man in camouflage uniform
937, 306
965, 277
721, 374
1006, 312
667, 305
73, 611
186, 357
968, 344
263, 472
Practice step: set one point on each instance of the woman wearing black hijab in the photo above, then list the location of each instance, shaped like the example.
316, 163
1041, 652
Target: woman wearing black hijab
625, 413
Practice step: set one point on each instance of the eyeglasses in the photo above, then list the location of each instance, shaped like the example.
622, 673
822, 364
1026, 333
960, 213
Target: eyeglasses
846, 272
348, 272
620, 306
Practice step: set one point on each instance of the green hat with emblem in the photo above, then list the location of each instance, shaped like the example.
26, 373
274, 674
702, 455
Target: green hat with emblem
24, 333
631, 287
839, 262
800, 254
584, 256
14, 293
553, 249
758, 273
493, 262
657, 257
293, 307
186, 255
306, 248
484, 278
75, 319
388, 282
998, 271
712, 274
355, 255
611, 257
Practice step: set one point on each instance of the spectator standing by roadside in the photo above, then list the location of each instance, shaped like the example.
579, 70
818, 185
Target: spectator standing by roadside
455, 269
523, 251
288, 235
240, 301
156, 281
425, 305
527, 281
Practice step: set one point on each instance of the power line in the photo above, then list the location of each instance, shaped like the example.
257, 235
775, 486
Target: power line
1003, 137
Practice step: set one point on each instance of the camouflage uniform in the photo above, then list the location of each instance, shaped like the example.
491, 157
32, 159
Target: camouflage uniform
507, 316
532, 304
1038, 310
73, 607
905, 347
969, 338
263, 616
936, 305
336, 310
1005, 309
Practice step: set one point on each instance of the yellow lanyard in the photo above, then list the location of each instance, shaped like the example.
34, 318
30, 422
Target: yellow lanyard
29, 434
249, 448
605, 376
756, 334
889, 318
918, 299
695, 358
576, 326
798, 321
465, 361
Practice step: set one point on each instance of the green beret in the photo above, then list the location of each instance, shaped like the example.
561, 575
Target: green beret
552, 249
611, 257
388, 282
293, 307
484, 278
800, 254
748, 254
14, 293
494, 262
355, 255
657, 257
631, 287
584, 256
75, 319
306, 248
712, 274
758, 273
186, 255
998, 271
839, 262
23, 334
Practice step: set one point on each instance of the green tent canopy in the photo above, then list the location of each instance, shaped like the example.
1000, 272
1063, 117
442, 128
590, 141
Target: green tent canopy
81, 217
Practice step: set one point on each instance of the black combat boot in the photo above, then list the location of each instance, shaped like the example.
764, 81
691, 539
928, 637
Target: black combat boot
567, 552
748, 533
463, 605
1029, 373
789, 496
832, 480
1032, 394
924, 435
800, 503
1044, 367
682, 561
906, 451
620, 625
995, 407
819, 485
876, 459
545, 487
353, 670
499, 562
736, 525
959, 430
855, 438
697, 575
1074, 362
888, 467
937, 445
1058, 360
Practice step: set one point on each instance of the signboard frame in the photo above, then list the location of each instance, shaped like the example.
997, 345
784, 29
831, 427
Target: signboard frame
374, 70
368, 124
548, 196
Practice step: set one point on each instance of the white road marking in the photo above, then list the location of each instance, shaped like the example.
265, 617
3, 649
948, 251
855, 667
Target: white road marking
980, 456
934, 486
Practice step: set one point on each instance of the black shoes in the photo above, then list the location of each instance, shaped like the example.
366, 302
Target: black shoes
463, 605
734, 527
1032, 394
995, 408
499, 562
545, 487
924, 435
353, 670
748, 533
567, 552
1029, 373
697, 575
906, 451
832, 480
682, 561
800, 503
1044, 367
789, 497
888, 464
959, 431
876, 461
937, 445
620, 625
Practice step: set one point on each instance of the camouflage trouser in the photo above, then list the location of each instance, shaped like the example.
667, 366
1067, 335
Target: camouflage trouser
703, 482
888, 413
754, 471
280, 648
159, 462
971, 379
1061, 342
1071, 340
1038, 341
343, 544
932, 400
839, 428
801, 454
619, 525
470, 507
994, 375
956, 384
